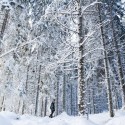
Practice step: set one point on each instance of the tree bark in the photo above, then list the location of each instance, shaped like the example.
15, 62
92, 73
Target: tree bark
118, 58
37, 93
4, 23
64, 90
81, 82
45, 107
57, 94
107, 75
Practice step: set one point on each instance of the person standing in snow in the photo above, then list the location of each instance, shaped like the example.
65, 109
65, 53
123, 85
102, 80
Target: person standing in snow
52, 107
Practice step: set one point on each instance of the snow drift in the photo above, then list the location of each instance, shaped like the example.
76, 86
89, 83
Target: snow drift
10, 118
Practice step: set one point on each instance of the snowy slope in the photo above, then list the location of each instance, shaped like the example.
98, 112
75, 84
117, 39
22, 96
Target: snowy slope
9, 118
4, 121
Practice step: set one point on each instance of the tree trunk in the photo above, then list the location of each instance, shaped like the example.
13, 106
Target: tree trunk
45, 107
26, 87
71, 100
57, 94
23, 107
37, 93
64, 90
4, 23
107, 75
81, 82
42, 107
2, 103
118, 59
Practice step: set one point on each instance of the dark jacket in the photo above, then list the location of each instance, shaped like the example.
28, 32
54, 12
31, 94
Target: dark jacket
52, 107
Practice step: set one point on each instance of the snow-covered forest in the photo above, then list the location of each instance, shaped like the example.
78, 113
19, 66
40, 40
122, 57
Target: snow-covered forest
68, 50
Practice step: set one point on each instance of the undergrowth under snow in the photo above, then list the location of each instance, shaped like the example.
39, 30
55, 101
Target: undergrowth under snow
9, 118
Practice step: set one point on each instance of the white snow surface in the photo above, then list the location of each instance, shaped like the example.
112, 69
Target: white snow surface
123, 1
10, 118
4, 121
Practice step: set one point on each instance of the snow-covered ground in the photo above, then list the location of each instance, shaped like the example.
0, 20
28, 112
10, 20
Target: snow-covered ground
9, 118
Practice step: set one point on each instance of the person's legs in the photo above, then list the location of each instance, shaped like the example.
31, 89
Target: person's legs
51, 115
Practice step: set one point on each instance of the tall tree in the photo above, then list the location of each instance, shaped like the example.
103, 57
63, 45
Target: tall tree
81, 82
